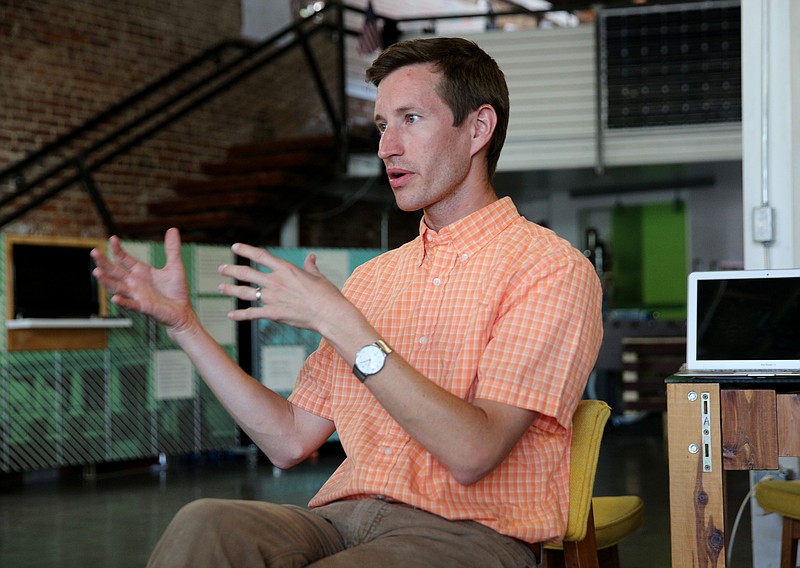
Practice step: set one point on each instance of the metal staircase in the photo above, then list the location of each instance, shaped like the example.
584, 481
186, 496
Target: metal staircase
247, 197
250, 192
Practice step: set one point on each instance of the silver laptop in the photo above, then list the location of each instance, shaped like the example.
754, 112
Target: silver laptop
743, 323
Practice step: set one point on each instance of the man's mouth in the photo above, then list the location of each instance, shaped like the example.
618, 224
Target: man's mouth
398, 176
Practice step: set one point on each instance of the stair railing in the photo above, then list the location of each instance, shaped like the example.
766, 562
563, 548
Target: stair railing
79, 164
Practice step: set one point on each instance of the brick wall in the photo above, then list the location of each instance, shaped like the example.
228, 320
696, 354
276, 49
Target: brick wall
61, 63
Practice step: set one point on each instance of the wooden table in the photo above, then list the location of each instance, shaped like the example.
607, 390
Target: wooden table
713, 425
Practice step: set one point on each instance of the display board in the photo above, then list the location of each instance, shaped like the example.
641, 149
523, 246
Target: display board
136, 397
281, 349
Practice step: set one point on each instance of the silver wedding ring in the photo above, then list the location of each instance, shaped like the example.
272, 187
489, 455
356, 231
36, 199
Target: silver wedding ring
258, 294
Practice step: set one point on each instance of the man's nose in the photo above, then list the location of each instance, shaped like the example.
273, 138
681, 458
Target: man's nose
389, 144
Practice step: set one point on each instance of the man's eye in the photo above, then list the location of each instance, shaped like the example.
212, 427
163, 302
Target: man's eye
412, 118
381, 127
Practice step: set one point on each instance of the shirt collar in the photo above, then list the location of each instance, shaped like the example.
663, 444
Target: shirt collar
473, 232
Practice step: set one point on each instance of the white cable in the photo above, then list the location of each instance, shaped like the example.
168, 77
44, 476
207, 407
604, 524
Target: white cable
735, 527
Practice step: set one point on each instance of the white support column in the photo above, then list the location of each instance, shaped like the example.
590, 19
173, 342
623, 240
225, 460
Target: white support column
771, 174
771, 128
290, 231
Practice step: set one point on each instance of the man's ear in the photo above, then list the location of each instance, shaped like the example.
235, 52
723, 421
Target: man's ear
483, 125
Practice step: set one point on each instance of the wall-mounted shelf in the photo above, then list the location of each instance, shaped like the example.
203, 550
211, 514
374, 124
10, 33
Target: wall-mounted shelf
35, 334
68, 323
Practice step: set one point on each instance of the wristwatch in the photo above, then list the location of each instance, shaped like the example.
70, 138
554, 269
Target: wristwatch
370, 359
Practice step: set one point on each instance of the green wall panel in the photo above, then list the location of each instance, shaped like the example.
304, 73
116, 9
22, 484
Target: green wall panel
664, 256
649, 258
626, 238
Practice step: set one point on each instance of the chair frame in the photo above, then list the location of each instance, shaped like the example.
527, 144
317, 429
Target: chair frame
581, 552
791, 532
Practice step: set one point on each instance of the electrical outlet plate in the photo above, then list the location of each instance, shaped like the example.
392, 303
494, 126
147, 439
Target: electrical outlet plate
763, 224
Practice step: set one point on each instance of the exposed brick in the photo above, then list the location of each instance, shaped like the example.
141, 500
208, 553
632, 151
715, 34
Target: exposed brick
61, 63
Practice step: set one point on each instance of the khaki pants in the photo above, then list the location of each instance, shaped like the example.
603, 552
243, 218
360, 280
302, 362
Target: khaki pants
366, 533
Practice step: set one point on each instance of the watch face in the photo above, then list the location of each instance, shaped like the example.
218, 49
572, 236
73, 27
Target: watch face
369, 359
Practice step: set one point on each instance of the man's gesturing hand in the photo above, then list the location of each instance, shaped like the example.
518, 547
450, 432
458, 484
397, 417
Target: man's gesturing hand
159, 293
300, 297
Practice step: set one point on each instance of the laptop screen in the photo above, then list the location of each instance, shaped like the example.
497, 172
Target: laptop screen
744, 320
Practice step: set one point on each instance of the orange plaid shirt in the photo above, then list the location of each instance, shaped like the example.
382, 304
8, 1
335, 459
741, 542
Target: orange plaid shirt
492, 307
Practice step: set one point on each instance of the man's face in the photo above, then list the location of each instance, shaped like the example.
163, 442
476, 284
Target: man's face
427, 159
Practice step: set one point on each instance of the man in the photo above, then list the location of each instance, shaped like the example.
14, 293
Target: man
450, 367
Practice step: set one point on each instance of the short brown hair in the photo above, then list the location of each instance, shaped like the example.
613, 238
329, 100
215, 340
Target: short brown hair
470, 78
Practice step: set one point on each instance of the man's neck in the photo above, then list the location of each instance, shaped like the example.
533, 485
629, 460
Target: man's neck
442, 214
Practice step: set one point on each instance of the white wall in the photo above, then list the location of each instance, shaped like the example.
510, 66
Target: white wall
771, 172
551, 78
771, 127
715, 220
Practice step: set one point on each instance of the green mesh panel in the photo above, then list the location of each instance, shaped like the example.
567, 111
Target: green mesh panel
79, 407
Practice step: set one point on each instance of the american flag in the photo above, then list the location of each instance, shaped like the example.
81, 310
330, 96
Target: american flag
369, 39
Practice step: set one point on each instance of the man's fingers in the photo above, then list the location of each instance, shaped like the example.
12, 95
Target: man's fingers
172, 245
105, 270
310, 265
243, 273
260, 256
125, 302
123, 259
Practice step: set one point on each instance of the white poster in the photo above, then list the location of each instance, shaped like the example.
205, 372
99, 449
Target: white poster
280, 365
138, 250
334, 265
207, 260
174, 375
213, 314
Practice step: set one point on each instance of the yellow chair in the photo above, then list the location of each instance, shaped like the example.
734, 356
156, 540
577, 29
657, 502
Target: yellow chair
783, 498
595, 525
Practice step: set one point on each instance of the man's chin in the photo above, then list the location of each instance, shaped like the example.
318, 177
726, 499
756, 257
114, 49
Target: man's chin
409, 209
407, 205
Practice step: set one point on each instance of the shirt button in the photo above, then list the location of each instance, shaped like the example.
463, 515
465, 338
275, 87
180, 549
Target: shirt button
388, 451
464, 256
437, 281
423, 340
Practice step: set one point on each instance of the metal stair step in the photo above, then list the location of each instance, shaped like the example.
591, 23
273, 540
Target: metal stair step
294, 160
223, 200
260, 149
255, 180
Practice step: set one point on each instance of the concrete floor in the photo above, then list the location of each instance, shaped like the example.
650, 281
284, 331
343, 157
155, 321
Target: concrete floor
114, 519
